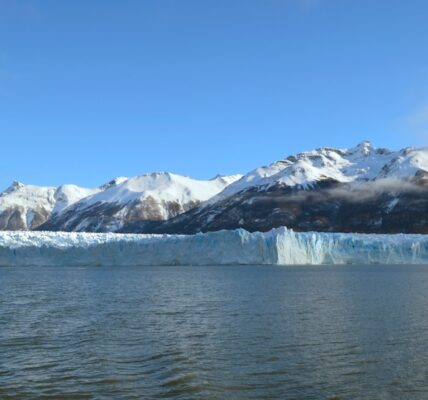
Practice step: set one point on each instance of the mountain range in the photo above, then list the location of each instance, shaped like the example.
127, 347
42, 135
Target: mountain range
362, 189
155, 197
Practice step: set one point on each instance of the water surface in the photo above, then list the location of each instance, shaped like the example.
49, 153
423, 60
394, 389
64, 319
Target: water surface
253, 332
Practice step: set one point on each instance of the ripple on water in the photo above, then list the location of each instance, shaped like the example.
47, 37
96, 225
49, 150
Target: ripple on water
214, 333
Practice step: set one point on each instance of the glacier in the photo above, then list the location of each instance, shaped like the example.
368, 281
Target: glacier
279, 246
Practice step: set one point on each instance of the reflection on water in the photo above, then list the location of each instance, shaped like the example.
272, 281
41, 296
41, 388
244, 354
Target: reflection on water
214, 333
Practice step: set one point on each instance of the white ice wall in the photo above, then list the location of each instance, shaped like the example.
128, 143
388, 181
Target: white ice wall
279, 246
345, 248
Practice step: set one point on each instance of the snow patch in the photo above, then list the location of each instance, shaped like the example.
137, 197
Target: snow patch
359, 164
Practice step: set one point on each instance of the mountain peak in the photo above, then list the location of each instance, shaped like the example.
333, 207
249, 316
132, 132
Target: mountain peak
16, 185
364, 147
114, 182
160, 174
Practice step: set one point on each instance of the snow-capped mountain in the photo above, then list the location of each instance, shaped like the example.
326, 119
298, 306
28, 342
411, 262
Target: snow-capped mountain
25, 207
150, 197
362, 163
363, 189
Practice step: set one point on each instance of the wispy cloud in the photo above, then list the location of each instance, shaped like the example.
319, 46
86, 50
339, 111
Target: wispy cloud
355, 192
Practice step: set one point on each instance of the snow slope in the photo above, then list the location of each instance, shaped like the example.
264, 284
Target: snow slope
279, 246
162, 186
361, 163
155, 196
258, 200
67, 195
27, 206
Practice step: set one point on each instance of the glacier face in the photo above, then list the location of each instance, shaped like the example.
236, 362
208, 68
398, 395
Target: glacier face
279, 247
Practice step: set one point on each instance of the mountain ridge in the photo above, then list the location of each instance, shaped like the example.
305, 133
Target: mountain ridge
30, 207
363, 189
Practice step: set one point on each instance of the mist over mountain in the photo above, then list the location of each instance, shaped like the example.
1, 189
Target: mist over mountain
363, 189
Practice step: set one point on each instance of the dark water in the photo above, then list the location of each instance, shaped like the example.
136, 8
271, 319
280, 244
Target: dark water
214, 333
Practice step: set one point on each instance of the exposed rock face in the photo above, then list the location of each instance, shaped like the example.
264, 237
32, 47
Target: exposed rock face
150, 197
327, 207
364, 190
109, 217
25, 207
156, 196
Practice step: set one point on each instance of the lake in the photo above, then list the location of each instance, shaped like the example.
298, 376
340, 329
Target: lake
241, 332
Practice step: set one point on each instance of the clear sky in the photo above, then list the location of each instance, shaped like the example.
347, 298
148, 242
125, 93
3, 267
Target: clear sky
90, 90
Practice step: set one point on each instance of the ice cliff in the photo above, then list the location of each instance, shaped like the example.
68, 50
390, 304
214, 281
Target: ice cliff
278, 246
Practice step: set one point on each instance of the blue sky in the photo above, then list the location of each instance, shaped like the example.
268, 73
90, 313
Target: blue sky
90, 90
